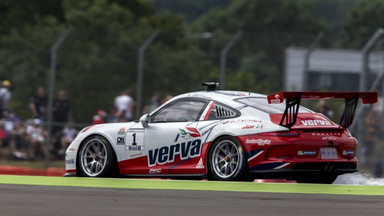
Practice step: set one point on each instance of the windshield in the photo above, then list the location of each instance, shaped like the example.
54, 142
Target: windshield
261, 103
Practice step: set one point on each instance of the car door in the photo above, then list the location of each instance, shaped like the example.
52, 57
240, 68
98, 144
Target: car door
172, 137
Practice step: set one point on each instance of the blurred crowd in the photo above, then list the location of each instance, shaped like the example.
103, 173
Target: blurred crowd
26, 139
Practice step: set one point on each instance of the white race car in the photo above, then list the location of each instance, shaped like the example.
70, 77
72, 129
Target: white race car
224, 135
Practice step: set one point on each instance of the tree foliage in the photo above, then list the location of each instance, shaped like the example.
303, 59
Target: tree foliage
268, 27
99, 58
363, 20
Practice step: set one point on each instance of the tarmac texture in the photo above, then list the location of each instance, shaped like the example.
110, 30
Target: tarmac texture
55, 200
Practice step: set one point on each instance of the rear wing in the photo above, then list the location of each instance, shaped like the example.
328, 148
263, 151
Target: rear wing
293, 103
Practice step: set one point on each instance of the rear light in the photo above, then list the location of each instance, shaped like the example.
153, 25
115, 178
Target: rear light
293, 133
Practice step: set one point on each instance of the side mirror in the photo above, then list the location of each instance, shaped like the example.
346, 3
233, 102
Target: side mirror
144, 120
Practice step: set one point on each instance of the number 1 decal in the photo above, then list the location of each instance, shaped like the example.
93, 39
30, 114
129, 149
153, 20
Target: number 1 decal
134, 139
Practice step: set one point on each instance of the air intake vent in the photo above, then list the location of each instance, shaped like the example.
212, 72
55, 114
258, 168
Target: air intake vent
222, 112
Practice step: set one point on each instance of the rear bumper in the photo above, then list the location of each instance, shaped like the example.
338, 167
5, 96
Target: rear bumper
305, 169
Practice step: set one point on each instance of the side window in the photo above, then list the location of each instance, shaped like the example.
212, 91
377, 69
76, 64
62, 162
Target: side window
221, 112
179, 111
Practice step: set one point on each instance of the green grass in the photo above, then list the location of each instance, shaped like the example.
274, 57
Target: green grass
194, 185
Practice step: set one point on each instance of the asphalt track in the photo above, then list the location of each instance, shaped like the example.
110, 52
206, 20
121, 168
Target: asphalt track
64, 200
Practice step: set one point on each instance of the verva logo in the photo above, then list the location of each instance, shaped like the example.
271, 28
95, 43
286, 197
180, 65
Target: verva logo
316, 123
167, 154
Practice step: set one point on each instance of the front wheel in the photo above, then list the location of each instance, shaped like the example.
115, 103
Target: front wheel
226, 160
96, 157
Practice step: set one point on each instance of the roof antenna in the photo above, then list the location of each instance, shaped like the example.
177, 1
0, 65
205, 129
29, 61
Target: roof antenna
211, 86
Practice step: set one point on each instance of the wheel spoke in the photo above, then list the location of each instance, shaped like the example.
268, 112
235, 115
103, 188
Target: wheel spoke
222, 150
228, 170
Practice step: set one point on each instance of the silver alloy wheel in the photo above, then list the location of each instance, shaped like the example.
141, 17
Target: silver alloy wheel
93, 157
226, 159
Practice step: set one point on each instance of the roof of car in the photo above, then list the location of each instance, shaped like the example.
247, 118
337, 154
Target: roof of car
220, 95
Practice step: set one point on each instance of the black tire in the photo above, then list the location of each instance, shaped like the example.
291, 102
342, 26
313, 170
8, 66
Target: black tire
319, 179
226, 160
96, 157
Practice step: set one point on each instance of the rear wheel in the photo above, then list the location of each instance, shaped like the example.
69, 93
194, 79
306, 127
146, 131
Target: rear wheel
96, 157
226, 160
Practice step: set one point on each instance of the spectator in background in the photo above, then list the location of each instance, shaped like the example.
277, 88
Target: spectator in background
10, 119
61, 111
5, 96
8, 122
124, 106
36, 136
99, 117
166, 98
68, 135
38, 104
3, 137
17, 143
153, 103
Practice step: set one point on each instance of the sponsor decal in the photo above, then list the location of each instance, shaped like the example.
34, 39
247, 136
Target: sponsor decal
200, 165
154, 171
248, 127
189, 132
120, 140
167, 154
258, 141
316, 123
70, 161
136, 155
121, 131
276, 100
134, 148
134, 141
307, 153
252, 126
241, 120
326, 134
348, 152
329, 138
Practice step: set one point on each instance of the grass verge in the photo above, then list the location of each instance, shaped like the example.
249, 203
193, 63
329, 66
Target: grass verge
194, 185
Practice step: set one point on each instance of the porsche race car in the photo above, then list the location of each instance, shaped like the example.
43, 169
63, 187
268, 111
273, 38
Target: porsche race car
224, 135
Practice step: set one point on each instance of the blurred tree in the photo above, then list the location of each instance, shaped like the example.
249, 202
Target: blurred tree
268, 27
192, 9
99, 57
363, 20
334, 12
16, 14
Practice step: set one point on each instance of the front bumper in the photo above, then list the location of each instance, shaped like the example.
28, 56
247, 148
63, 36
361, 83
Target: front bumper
70, 174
